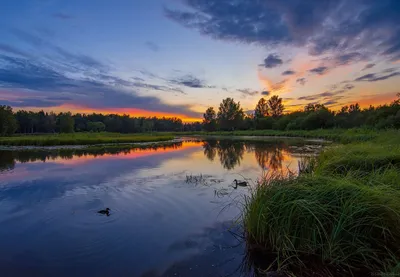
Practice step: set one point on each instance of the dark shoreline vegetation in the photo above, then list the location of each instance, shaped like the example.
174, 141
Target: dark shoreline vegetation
340, 218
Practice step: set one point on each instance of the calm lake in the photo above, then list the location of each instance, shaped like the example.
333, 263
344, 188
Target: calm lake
173, 207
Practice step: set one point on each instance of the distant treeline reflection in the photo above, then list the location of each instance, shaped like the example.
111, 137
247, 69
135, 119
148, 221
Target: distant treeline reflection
8, 158
269, 155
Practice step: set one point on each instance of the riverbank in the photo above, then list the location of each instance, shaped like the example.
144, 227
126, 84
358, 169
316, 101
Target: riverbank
82, 139
342, 218
337, 135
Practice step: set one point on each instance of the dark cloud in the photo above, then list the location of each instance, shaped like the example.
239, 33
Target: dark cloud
152, 46
62, 16
348, 87
78, 61
368, 66
30, 102
288, 72
137, 79
149, 74
330, 102
373, 77
333, 27
247, 92
265, 93
244, 21
97, 92
58, 98
321, 70
273, 60
301, 81
348, 58
327, 95
191, 82
389, 70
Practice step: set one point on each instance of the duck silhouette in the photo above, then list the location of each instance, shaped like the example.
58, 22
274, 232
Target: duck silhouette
106, 211
240, 184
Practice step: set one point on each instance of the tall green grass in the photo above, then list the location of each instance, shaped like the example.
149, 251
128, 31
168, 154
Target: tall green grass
81, 139
325, 223
341, 217
367, 157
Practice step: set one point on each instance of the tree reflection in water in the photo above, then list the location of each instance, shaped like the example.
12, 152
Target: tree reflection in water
8, 158
230, 153
269, 156
210, 149
7, 161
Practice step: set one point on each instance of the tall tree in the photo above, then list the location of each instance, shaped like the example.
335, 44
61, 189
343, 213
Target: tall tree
354, 108
230, 114
66, 123
8, 123
210, 120
262, 109
275, 106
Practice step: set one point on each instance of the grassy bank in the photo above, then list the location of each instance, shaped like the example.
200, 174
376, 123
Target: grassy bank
81, 139
337, 135
342, 219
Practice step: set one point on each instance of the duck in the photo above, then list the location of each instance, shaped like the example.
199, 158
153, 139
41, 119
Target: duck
240, 184
106, 211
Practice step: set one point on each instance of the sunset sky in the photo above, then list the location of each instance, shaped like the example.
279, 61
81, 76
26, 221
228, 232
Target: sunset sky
178, 57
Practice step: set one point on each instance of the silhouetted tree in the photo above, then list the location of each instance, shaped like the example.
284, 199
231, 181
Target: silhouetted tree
354, 108
66, 123
230, 114
210, 120
262, 109
275, 105
8, 123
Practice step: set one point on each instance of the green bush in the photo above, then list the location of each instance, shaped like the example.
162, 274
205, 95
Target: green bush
325, 223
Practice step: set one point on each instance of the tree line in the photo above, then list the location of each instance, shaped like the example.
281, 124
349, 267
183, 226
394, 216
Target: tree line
269, 114
28, 122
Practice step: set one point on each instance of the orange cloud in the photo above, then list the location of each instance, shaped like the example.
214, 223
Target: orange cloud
274, 88
376, 100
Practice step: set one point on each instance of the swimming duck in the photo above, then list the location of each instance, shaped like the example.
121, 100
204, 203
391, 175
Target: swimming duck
106, 211
240, 184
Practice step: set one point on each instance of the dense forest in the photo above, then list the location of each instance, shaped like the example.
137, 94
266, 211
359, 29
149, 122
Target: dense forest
268, 114
28, 122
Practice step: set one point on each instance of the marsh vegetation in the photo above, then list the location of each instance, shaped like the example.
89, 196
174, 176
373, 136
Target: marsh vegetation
339, 217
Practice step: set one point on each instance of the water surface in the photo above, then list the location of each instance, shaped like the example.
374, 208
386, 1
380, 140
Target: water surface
172, 207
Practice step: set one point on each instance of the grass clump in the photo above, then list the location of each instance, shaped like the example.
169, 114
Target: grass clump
339, 217
314, 222
367, 157
81, 139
